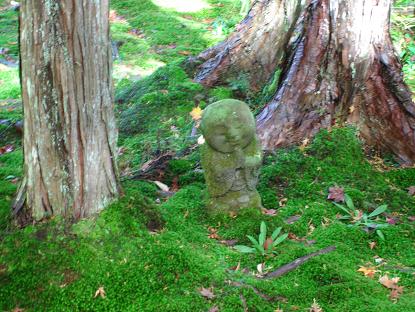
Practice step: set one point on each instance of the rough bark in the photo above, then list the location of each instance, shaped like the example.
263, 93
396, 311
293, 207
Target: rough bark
343, 69
256, 47
337, 66
69, 126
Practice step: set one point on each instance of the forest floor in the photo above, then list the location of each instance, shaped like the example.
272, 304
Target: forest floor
155, 250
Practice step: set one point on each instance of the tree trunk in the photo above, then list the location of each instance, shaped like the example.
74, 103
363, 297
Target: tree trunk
69, 125
255, 48
339, 67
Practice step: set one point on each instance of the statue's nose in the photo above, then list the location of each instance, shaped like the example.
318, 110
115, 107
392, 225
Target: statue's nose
233, 134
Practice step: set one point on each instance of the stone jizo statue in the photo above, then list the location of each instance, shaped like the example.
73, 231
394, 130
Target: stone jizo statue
231, 156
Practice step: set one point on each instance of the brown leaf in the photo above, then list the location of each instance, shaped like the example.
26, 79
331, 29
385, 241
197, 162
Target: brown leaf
391, 221
185, 52
207, 292
229, 242
189, 17
17, 309
6, 149
213, 233
411, 190
372, 245
233, 214
336, 194
358, 217
208, 20
390, 283
294, 237
325, 222
269, 212
282, 202
292, 219
411, 218
236, 268
137, 32
214, 309
260, 268
368, 271
396, 292
114, 17
100, 292
311, 228
315, 307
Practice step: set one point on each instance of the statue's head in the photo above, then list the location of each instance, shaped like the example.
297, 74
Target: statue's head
228, 125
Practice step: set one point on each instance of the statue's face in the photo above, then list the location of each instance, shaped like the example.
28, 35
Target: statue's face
228, 125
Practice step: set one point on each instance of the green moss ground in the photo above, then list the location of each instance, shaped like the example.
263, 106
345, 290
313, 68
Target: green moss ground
56, 267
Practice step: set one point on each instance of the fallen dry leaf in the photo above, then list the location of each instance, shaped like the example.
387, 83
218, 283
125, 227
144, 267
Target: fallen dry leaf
411, 218
311, 228
6, 149
358, 217
292, 236
208, 20
396, 292
229, 242
213, 233
260, 267
214, 309
17, 309
368, 271
269, 212
304, 144
411, 190
336, 194
196, 113
100, 292
236, 268
325, 222
184, 52
292, 219
315, 307
282, 202
391, 221
162, 186
207, 292
392, 284
233, 214
372, 245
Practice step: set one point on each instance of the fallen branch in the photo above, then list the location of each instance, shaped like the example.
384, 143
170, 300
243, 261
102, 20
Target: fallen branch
407, 270
296, 263
146, 172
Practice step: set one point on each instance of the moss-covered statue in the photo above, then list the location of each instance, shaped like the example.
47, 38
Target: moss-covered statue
231, 156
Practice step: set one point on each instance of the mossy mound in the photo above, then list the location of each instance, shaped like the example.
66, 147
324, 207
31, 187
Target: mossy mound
54, 267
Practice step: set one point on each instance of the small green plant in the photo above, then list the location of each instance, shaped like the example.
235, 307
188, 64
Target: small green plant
369, 222
264, 246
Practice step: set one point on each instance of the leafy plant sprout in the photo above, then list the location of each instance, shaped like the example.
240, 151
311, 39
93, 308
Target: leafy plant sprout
264, 246
368, 222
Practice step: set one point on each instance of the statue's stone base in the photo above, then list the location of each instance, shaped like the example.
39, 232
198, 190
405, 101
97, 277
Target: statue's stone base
234, 201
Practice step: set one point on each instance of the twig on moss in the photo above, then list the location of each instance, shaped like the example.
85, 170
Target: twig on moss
296, 263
